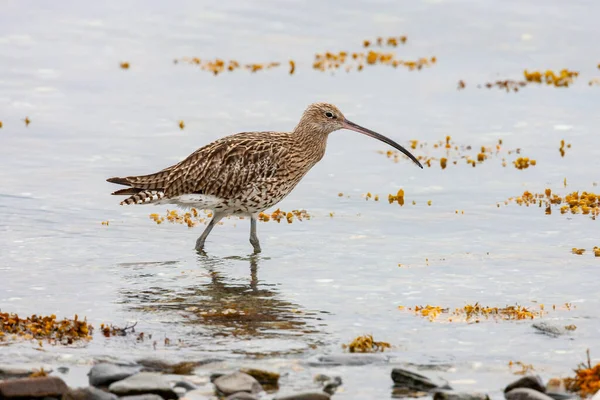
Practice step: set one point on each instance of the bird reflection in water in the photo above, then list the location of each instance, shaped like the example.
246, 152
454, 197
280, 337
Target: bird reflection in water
221, 306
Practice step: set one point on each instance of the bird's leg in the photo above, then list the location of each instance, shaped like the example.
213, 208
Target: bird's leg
200, 242
253, 237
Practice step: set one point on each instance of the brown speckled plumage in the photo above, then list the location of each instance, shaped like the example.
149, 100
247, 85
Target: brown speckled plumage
241, 174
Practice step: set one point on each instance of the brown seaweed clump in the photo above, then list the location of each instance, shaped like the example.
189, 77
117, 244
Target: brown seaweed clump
48, 328
563, 79
218, 66
524, 162
279, 215
366, 344
585, 203
586, 381
476, 312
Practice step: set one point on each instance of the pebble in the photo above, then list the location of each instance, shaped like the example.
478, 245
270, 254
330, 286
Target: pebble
405, 379
444, 395
20, 370
89, 393
198, 394
144, 383
530, 382
49, 386
237, 382
305, 396
103, 374
526, 394
242, 396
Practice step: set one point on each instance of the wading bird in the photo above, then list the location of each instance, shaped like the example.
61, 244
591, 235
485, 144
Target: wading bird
246, 173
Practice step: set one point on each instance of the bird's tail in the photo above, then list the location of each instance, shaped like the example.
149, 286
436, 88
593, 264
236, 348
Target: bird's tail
140, 197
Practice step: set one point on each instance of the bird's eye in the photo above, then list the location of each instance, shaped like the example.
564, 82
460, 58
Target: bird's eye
329, 114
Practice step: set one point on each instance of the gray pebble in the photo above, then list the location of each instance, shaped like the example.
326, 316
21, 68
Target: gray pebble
103, 374
305, 396
237, 382
144, 383
405, 379
449, 395
242, 396
142, 397
526, 394
530, 381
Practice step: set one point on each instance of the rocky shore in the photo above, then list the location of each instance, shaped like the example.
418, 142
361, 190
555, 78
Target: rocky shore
156, 380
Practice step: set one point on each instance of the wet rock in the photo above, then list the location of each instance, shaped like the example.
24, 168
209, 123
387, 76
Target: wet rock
304, 396
237, 382
405, 379
547, 329
561, 395
142, 397
330, 384
349, 359
526, 394
143, 383
242, 396
89, 393
263, 377
103, 374
32, 388
449, 395
530, 382
20, 370
185, 385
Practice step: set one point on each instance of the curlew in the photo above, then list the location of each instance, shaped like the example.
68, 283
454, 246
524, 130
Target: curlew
246, 173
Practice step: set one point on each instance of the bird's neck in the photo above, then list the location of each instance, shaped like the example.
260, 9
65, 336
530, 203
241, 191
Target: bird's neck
313, 142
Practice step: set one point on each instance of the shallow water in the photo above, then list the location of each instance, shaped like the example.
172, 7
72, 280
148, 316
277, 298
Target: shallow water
319, 282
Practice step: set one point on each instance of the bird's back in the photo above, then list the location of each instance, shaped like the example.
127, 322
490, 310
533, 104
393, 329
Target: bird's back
246, 170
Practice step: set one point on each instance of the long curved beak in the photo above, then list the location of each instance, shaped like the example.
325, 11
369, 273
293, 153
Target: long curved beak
357, 128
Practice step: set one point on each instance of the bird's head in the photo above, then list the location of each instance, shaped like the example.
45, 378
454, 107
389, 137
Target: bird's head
324, 118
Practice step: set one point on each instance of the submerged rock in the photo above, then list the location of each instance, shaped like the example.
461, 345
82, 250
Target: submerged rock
350, 359
143, 383
180, 368
103, 374
48, 386
89, 393
530, 381
547, 329
405, 379
526, 394
142, 397
304, 396
237, 382
263, 377
449, 395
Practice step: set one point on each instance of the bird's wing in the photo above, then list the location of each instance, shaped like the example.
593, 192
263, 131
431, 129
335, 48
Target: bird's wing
229, 165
